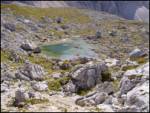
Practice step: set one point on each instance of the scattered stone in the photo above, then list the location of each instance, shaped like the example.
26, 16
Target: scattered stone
28, 46
40, 86
65, 27
4, 87
112, 62
106, 87
20, 97
100, 97
47, 20
64, 65
98, 34
59, 20
136, 53
56, 75
113, 33
37, 50
10, 26
14, 57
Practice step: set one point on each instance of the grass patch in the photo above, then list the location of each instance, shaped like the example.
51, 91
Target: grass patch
140, 60
36, 101
5, 55
55, 84
69, 14
125, 68
106, 75
116, 85
96, 109
43, 62
85, 31
83, 92
135, 76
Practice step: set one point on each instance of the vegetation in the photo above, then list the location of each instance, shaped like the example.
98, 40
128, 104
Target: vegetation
135, 76
83, 92
129, 67
55, 84
42, 61
69, 14
106, 75
36, 101
140, 60
116, 85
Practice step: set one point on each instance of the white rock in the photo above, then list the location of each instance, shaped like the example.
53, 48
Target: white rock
40, 86
111, 62
139, 96
26, 20
56, 75
142, 70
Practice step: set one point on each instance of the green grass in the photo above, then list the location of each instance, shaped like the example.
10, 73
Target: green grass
125, 68
69, 14
5, 57
36, 101
140, 60
106, 75
116, 85
83, 92
135, 76
55, 84
45, 63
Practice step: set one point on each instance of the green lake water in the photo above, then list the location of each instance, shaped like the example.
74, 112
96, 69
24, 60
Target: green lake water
69, 49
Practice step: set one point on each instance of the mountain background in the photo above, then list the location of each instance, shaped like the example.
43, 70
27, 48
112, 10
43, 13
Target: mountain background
138, 10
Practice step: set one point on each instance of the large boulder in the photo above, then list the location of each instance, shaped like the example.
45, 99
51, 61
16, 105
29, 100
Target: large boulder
86, 76
132, 77
31, 71
139, 97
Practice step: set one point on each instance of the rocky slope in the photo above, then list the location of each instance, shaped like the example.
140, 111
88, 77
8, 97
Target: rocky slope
130, 10
117, 80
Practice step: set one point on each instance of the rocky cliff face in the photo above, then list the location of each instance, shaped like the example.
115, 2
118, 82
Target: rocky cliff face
127, 9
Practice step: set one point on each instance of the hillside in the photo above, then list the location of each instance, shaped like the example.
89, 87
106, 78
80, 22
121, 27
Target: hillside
138, 10
67, 59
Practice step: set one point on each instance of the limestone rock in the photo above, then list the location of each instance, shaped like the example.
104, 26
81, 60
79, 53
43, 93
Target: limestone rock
138, 96
32, 71
136, 53
20, 97
88, 75
40, 86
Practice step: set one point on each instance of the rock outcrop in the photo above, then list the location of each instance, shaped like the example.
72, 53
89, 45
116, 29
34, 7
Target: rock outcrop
88, 75
30, 72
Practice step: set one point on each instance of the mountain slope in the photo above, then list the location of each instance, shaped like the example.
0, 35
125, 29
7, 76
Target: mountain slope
125, 9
